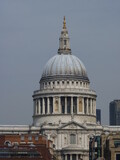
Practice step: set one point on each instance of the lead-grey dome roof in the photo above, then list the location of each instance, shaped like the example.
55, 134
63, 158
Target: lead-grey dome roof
64, 66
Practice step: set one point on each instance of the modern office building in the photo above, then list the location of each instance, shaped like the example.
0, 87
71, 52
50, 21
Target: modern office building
114, 112
98, 116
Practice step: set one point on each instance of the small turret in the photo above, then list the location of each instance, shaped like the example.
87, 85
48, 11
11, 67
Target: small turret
64, 40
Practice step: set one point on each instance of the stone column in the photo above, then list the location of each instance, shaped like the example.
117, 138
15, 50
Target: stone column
65, 156
70, 156
65, 105
71, 105
76, 156
48, 105
87, 107
90, 105
83, 104
53, 105
59, 104
36, 107
59, 141
95, 107
43, 101
77, 105
39, 105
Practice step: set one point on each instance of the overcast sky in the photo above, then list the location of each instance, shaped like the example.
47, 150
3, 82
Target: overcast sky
29, 36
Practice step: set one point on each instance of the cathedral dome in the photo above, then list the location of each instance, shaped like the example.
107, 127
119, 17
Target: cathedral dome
65, 65
64, 94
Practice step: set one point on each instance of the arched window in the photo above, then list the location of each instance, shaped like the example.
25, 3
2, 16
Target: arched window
72, 139
7, 143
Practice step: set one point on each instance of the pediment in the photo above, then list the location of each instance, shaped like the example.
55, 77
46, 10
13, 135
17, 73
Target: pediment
72, 125
53, 135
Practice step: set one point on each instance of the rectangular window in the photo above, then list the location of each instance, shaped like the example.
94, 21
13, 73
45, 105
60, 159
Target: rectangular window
36, 138
72, 139
117, 143
22, 138
65, 42
117, 156
30, 138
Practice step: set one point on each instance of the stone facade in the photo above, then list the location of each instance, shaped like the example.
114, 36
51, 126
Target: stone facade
111, 146
65, 106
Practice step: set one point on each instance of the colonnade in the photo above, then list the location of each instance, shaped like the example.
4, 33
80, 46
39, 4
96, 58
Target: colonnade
64, 105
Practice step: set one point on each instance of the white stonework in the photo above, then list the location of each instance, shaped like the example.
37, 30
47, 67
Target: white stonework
64, 106
67, 104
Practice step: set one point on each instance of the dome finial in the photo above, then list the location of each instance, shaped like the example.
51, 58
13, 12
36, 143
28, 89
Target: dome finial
64, 44
64, 23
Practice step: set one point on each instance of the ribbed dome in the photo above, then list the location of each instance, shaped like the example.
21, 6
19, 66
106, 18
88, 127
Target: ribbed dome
64, 66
